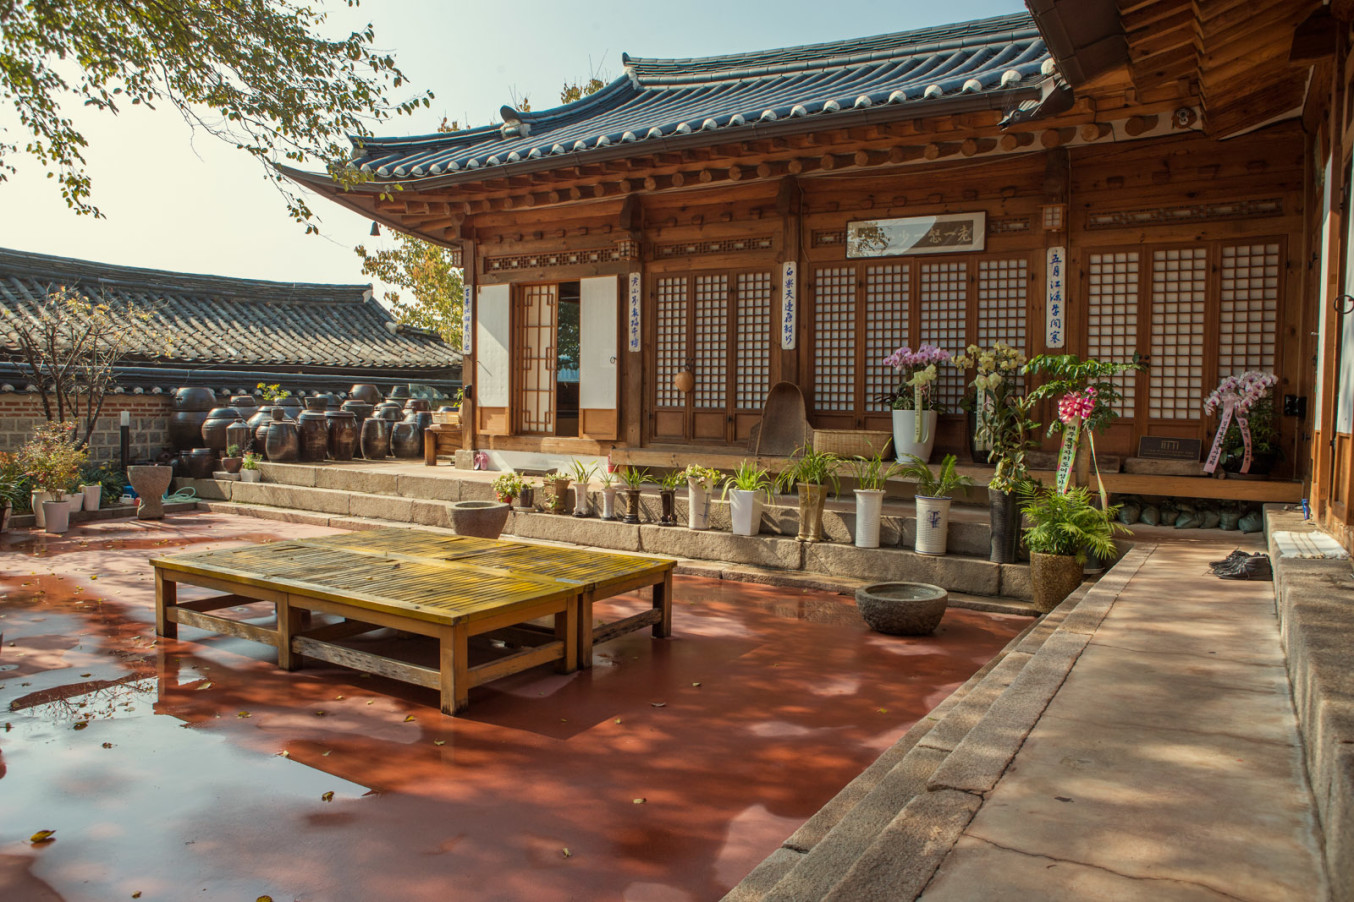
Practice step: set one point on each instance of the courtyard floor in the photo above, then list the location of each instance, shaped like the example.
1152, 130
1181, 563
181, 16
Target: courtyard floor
196, 769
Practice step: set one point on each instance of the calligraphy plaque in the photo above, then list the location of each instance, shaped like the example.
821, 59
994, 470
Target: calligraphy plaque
946, 233
632, 318
1055, 312
789, 291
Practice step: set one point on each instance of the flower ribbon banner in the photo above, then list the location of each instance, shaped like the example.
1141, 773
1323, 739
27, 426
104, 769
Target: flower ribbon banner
1235, 395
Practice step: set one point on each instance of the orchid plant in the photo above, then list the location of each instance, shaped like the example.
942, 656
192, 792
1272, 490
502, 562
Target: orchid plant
917, 372
1004, 423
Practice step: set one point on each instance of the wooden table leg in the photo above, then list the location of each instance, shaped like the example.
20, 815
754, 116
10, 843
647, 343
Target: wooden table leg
429, 447
166, 596
585, 630
454, 667
567, 632
289, 623
662, 601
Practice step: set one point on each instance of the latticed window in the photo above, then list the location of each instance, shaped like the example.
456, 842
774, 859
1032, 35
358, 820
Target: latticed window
1112, 316
1248, 318
1179, 283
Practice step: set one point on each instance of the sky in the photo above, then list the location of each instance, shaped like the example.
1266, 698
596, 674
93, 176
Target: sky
190, 203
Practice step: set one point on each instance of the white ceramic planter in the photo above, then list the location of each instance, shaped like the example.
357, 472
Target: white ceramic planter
93, 494
75, 501
869, 510
933, 524
56, 516
581, 499
745, 510
608, 502
905, 443
251, 475
698, 505
35, 500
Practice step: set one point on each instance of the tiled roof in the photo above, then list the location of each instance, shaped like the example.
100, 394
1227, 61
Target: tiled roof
738, 95
237, 322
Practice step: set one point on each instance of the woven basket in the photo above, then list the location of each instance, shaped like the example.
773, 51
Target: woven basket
851, 442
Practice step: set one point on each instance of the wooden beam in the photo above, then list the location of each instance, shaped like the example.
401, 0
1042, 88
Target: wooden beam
1094, 131
1015, 140
1139, 125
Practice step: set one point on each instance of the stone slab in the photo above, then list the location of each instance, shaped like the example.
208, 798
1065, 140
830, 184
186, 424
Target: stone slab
355, 479
761, 551
966, 715
429, 488
555, 528
902, 860
289, 474
1014, 580
326, 501
382, 507
1208, 809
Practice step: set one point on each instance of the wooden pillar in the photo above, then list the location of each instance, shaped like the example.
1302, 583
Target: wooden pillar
789, 200
469, 284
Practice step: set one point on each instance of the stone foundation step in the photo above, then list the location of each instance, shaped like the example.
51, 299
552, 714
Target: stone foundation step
958, 573
884, 834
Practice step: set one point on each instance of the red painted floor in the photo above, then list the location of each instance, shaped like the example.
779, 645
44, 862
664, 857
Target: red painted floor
196, 770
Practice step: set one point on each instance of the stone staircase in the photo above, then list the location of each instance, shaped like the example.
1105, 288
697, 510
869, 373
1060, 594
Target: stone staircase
886, 832
353, 496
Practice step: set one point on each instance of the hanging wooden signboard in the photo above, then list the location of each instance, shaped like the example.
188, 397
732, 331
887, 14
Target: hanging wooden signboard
946, 233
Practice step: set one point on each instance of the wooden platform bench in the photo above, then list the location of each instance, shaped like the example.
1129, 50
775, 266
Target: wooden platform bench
449, 588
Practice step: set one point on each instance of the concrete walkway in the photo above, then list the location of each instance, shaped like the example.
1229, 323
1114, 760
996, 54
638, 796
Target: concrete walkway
1167, 767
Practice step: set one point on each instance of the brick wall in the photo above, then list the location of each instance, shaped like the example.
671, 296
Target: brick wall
21, 412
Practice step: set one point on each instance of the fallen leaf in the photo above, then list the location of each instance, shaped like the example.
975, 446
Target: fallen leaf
81, 724
639, 801
338, 698
371, 701
696, 684
326, 753
206, 685
618, 720
320, 713
409, 718
136, 895
658, 704
243, 714
264, 899
881, 710
42, 836
566, 852
328, 796
284, 753
86, 675
108, 745
439, 742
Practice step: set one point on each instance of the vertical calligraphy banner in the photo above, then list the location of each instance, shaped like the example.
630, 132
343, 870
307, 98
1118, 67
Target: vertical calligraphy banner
467, 321
1055, 311
632, 318
789, 291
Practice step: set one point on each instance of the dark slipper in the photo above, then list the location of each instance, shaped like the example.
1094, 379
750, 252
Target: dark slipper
1230, 559
1256, 568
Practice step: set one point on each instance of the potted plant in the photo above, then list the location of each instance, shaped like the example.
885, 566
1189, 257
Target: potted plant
232, 462
14, 490
507, 486
608, 480
1246, 442
1005, 429
633, 478
582, 472
700, 484
556, 492
526, 496
872, 475
1088, 397
934, 493
1063, 527
812, 471
914, 408
748, 485
667, 496
249, 467
53, 461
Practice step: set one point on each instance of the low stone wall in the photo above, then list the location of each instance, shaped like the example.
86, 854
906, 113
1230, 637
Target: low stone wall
21, 413
1315, 602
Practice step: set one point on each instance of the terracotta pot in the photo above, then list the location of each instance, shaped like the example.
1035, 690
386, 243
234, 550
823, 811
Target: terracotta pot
232, 464
811, 501
365, 392
214, 427
342, 429
902, 609
1053, 577
314, 435
282, 442
375, 439
481, 519
150, 484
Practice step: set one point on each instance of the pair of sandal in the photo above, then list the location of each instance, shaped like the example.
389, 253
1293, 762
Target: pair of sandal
1244, 565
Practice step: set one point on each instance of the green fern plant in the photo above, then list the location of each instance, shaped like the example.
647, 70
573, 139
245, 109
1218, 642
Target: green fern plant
749, 478
872, 473
810, 467
1067, 523
939, 483
633, 477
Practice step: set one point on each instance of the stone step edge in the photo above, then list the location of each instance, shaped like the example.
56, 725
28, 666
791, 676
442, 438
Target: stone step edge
906, 854
910, 761
686, 566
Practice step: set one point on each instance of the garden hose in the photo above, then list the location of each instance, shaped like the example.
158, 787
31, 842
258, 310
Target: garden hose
182, 496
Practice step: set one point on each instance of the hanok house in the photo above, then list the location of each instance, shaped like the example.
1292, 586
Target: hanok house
1091, 178
225, 334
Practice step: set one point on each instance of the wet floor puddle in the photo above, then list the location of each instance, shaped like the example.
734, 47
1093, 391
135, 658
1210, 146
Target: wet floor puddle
196, 769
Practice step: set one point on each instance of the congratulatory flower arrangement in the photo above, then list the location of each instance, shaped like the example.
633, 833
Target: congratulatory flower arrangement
1236, 396
917, 372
